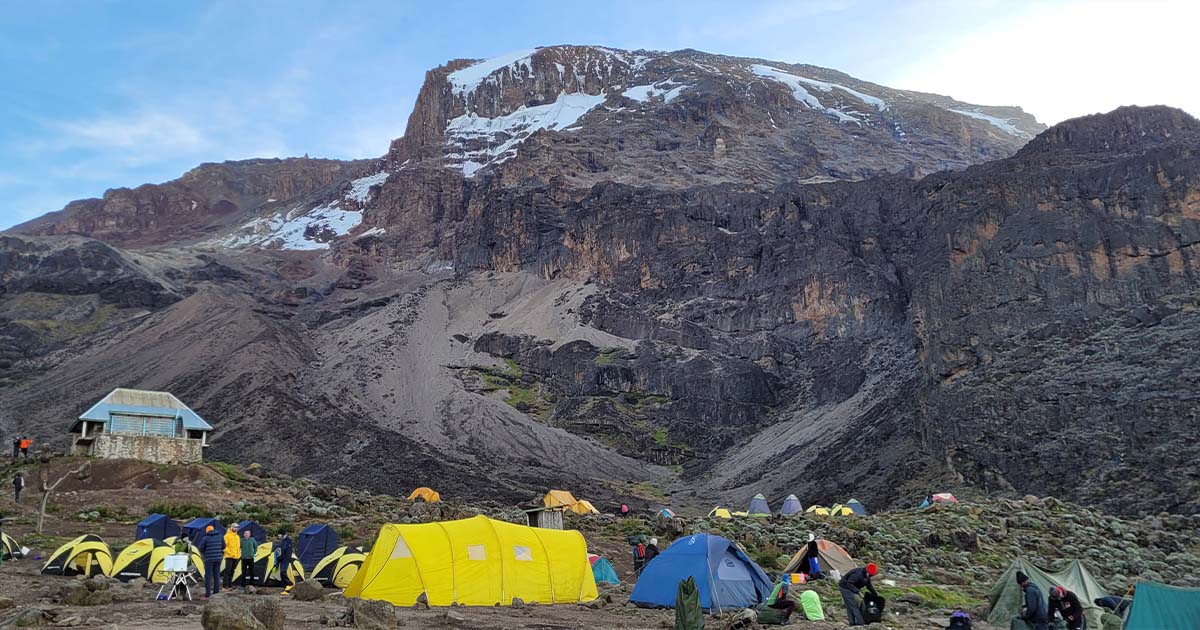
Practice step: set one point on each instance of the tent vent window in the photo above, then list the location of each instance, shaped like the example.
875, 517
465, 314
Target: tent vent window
522, 553
476, 552
401, 549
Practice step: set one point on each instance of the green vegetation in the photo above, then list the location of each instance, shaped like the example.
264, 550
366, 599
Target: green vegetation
660, 436
768, 556
40, 313
648, 490
346, 533
228, 470
178, 510
932, 596
607, 355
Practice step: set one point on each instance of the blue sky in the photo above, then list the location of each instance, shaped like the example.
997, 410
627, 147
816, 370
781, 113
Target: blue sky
103, 94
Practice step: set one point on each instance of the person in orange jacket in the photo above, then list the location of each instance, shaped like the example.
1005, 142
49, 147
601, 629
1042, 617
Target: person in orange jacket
233, 553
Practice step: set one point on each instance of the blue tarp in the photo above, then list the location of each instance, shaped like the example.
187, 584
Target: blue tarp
725, 576
316, 542
195, 528
158, 526
256, 531
604, 572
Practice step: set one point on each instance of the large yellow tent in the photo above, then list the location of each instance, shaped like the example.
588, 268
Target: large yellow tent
475, 562
818, 510
559, 498
428, 495
841, 510
583, 507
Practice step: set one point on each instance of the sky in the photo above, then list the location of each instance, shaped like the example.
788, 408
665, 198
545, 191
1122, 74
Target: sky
104, 94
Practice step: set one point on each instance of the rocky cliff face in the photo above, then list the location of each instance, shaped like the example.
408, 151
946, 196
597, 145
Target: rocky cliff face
652, 273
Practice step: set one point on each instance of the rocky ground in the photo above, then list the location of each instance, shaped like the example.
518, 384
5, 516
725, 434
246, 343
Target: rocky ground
937, 560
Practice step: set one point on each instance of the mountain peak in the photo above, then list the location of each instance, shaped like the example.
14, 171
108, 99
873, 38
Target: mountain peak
1125, 128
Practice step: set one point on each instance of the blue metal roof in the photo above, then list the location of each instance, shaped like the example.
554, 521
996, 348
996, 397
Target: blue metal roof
100, 412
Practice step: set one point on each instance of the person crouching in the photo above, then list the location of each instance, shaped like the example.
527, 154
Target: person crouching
849, 586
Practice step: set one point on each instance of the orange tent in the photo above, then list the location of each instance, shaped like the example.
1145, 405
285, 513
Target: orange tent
559, 498
428, 495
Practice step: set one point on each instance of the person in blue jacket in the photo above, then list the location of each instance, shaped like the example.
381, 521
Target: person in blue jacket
212, 549
1035, 612
284, 559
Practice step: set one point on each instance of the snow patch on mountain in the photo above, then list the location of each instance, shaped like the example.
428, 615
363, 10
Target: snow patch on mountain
801, 94
474, 142
297, 229
465, 81
360, 189
667, 90
1000, 123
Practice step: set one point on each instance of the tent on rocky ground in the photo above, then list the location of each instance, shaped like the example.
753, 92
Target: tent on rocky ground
158, 526
1158, 606
582, 507
256, 531
841, 510
667, 513
602, 570
9, 548
758, 506
817, 510
829, 554
194, 528
725, 576
428, 495
1006, 598
315, 543
791, 505
266, 568
941, 497
559, 499
856, 507
720, 512
87, 555
338, 569
475, 562
144, 558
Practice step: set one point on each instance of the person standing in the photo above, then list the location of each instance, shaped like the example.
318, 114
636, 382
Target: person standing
16, 448
284, 560
249, 547
18, 486
651, 550
639, 557
849, 586
1035, 613
25, 444
1068, 606
233, 553
212, 548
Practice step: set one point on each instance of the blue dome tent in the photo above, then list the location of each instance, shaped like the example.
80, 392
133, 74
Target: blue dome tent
791, 505
758, 506
315, 542
195, 528
603, 571
256, 531
158, 526
725, 576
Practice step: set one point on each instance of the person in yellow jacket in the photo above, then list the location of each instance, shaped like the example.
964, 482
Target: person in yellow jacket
233, 552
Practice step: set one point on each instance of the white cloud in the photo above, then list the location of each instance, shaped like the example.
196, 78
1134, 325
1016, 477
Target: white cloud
153, 132
1064, 61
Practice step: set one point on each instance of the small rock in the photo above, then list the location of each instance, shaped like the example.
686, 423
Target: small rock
137, 583
911, 598
6, 603
93, 621
452, 617
517, 602
98, 598
69, 622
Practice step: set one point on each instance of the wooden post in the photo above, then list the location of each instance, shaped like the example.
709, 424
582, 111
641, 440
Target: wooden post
82, 472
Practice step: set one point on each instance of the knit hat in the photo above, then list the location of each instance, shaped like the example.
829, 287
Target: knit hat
1056, 592
208, 528
872, 569
653, 541
1021, 577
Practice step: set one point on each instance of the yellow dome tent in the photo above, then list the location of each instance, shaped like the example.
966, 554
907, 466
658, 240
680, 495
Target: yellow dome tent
817, 510
87, 555
338, 569
193, 552
559, 498
9, 548
841, 510
720, 512
583, 507
428, 495
475, 562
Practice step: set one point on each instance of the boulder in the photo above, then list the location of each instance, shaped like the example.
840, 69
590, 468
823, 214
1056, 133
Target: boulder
308, 591
372, 614
223, 612
6, 603
33, 618
269, 613
98, 598
73, 593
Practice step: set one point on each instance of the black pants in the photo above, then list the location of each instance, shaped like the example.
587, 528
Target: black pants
785, 603
17, 494
227, 574
247, 572
853, 607
212, 577
25, 452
